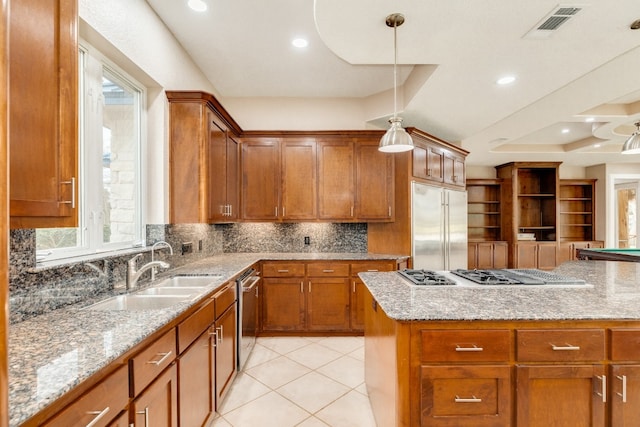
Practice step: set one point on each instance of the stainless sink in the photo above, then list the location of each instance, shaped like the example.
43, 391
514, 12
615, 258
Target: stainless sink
171, 291
188, 281
139, 302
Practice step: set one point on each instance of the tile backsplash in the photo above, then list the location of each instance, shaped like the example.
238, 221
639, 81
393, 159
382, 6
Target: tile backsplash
34, 289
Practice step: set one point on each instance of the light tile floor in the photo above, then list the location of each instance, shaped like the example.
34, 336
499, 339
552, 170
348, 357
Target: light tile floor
300, 381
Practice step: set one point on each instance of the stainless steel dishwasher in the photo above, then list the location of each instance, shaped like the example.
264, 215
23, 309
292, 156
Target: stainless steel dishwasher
247, 314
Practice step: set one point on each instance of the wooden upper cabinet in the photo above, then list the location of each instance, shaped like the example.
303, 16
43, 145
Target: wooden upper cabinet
299, 180
454, 170
203, 160
336, 187
436, 160
260, 185
43, 113
374, 182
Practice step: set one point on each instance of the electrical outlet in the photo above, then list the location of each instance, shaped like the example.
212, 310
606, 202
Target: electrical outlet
307, 240
199, 245
187, 248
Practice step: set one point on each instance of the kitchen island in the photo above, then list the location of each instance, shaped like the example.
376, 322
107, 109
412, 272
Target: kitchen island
57, 358
506, 355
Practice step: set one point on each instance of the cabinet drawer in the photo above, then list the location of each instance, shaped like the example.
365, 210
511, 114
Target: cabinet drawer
328, 269
195, 324
466, 395
560, 345
465, 346
372, 266
150, 362
100, 405
224, 298
281, 269
625, 344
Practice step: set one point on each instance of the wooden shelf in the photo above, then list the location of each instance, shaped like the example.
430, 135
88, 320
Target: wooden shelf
484, 209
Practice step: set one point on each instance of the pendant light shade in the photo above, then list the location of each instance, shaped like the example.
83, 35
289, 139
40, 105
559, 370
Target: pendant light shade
632, 145
396, 139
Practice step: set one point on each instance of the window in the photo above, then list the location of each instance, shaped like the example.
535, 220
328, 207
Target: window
111, 112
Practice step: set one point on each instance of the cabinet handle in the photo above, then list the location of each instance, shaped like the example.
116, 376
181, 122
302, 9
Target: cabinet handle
221, 334
454, 178
276, 211
328, 271
428, 171
301, 287
283, 271
472, 399
309, 286
354, 286
603, 393
283, 211
373, 271
146, 416
163, 357
566, 347
474, 348
623, 378
214, 334
389, 211
71, 182
98, 416
351, 210
230, 210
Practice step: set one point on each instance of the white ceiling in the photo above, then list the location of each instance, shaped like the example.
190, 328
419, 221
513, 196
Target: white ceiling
452, 54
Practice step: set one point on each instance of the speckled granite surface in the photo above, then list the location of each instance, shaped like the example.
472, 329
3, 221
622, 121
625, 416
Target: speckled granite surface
52, 353
615, 294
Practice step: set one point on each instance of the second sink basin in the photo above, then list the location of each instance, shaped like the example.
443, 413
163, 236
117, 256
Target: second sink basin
188, 281
171, 291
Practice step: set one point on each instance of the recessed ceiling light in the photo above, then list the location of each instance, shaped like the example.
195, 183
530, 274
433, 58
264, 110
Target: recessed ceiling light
197, 5
506, 80
565, 130
300, 42
589, 119
596, 145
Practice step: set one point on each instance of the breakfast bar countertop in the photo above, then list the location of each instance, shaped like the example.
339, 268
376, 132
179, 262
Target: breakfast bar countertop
52, 353
613, 292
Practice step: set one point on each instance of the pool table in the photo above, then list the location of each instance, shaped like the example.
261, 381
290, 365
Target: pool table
610, 254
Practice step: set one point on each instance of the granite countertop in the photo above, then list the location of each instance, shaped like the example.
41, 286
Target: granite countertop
613, 293
51, 354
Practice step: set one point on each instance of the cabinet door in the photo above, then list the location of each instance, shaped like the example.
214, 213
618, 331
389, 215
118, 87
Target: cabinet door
454, 170
625, 395
374, 183
260, 180
472, 255
283, 304
500, 255
466, 396
336, 185
121, 421
43, 118
358, 290
561, 395
328, 304
526, 255
194, 391
566, 252
547, 253
435, 164
485, 255
299, 194
225, 360
217, 142
157, 406
233, 199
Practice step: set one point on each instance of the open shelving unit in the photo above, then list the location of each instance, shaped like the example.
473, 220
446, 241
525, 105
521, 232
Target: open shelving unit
484, 209
576, 204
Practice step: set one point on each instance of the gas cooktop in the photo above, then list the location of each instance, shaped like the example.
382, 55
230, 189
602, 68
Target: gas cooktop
425, 277
516, 277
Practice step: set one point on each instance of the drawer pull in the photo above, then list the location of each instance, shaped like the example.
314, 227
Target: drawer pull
373, 271
623, 378
163, 357
328, 271
146, 416
214, 334
566, 347
603, 393
98, 416
472, 399
283, 271
474, 348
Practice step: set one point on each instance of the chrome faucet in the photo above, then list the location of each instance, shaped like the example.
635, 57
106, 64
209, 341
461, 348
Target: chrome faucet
154, 270
133, 274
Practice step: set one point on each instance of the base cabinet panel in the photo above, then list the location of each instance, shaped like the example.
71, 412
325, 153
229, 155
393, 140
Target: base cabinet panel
194, 388
625, 395
283, 304
225, 360
466, 396
561, 395
157, 406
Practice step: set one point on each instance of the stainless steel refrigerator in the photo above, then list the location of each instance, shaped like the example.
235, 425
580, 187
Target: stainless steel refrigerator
439, 228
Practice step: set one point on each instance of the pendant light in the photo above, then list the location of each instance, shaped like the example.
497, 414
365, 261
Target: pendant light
632, 145
396, 139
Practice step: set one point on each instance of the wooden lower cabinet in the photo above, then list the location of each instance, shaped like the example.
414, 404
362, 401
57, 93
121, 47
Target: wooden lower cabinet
225, 352
358, 289
454, 396
487, 255
283, 304
195, 392
567, 251
328, 304
121, 421
540, 255
157, 406
625, 395
561, 395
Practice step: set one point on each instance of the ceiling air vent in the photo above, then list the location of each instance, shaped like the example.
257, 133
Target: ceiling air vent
550, 23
